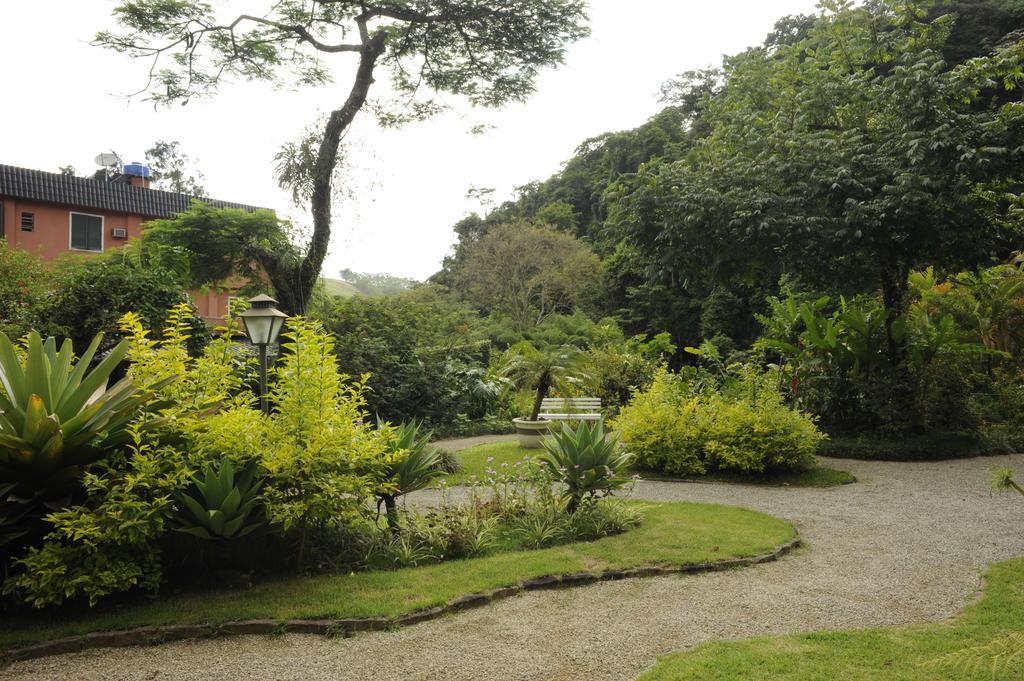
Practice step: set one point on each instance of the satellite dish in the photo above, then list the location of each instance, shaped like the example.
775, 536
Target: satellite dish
107, 160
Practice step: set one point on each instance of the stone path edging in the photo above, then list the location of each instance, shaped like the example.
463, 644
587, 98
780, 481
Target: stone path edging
152, 635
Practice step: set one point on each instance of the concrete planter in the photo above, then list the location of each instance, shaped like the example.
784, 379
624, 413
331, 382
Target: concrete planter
531, 433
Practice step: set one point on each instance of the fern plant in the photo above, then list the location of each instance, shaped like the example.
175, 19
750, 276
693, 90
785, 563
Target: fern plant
528, 367
1002, 655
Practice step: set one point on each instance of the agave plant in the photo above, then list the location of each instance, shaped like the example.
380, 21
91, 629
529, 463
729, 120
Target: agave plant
586, 462
56, 418
411, 465
221, 506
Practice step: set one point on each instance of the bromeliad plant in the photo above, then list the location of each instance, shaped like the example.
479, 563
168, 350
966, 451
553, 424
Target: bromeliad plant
56, 418
410, 464
586, 462
221, 505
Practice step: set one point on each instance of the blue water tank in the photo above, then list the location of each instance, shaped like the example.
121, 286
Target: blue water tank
136, 169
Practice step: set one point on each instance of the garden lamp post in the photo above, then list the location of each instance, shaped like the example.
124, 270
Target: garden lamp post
263, 323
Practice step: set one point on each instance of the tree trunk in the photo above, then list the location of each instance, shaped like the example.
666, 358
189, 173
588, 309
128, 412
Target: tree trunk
902, 407
542, 391
301, 559
894, 293
293, 283
391, 509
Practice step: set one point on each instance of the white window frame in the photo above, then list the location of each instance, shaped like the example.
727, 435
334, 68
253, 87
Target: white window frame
103, 232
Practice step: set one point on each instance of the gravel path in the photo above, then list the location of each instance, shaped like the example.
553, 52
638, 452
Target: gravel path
907, 544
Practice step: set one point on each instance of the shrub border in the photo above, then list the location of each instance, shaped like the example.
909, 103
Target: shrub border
153, 635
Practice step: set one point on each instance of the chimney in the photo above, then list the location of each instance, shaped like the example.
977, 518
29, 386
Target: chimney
138, 175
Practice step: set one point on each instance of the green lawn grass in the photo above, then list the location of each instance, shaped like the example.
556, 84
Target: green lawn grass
670, 534
896, 654
337, 287
474, 462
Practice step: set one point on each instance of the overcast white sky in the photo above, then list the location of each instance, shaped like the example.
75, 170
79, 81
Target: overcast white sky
63, 105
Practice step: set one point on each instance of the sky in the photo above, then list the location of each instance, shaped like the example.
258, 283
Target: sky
405, 188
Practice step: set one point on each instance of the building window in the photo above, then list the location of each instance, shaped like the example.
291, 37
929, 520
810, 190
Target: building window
86, 232
28, 222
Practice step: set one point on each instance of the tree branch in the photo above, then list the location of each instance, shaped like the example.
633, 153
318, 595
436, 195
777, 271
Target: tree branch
300, 31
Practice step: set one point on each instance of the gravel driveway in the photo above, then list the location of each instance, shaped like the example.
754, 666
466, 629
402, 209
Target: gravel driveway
907, 544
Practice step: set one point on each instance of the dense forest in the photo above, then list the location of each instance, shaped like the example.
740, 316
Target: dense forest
805, 163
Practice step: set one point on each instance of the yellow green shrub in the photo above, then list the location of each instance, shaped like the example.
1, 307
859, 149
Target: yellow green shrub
758, 436
662, 428
675, 430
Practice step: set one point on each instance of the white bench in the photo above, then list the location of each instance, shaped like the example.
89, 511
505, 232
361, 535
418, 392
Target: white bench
571, 409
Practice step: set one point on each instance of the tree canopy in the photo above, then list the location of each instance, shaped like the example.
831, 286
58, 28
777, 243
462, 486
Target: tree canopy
528, 273
856, 155
854, 145
225, 243
173, 170
485, 51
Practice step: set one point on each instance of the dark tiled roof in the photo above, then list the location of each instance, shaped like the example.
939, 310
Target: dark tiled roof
36, 185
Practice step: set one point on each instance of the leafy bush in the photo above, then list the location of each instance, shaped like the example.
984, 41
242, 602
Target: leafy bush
418, 353
92, 294
108, 540
322, 461
24, 285
107, 543
742, 426
615, 370
663, 427
319, 462
757, 436
954, 371
187, 384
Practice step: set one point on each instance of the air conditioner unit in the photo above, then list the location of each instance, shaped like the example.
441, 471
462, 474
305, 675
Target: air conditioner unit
119, 233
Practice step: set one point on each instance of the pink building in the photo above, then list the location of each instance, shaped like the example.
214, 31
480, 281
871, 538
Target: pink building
49, 214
